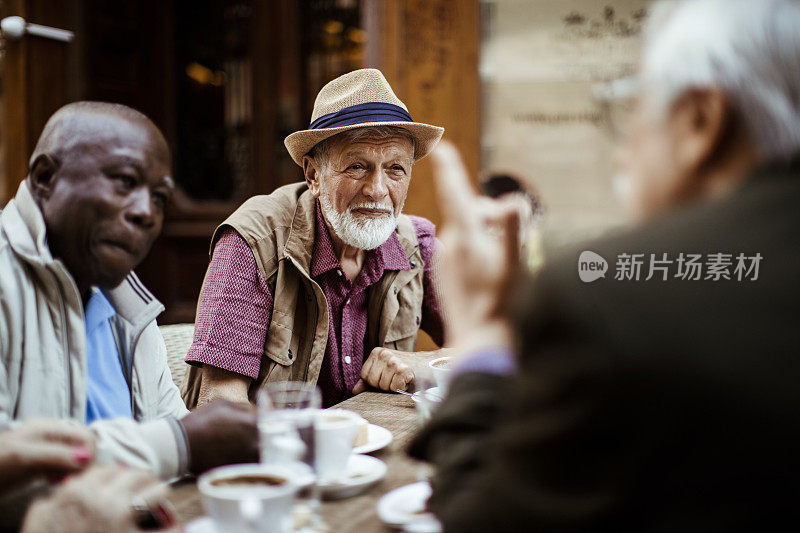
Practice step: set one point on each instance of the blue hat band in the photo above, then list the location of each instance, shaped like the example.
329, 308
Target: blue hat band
359, 113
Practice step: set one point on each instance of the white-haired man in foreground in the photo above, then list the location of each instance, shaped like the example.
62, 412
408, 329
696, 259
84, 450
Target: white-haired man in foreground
662, 397
324, 281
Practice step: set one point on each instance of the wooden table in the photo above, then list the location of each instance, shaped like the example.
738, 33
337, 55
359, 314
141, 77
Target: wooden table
395, 412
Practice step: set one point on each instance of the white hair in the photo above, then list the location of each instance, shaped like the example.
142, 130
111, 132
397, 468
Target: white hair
748, 48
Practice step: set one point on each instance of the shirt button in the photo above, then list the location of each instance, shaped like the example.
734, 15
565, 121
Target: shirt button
413, 264
395, 290
347, 359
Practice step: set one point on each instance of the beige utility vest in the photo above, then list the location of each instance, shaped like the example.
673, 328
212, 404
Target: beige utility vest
280, 230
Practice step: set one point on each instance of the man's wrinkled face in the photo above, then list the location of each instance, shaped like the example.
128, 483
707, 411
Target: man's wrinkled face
106, 205
364, 188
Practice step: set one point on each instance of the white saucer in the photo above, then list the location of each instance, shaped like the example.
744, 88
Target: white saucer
206, 525
434, 393
378, 437
406, 507
362, 471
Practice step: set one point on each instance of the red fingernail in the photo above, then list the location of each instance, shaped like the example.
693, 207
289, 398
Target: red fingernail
82, 454
164, 516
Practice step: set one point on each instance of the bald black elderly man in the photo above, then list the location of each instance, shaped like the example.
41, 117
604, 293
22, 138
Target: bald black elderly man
78, 335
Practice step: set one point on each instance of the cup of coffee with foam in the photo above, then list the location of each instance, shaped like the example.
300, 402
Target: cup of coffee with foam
249, 497
335, 433
442, 368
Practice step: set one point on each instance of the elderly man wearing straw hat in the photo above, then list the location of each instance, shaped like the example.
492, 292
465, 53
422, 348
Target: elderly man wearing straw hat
325, 280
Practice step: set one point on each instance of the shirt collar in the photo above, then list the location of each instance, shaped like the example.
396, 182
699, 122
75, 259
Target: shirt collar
390, 253
394, 257
98, 310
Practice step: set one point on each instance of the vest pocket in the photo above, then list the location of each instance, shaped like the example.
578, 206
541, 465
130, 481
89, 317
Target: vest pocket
409, 313
278, 344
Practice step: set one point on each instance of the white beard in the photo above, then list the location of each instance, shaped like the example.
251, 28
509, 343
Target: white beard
363, 233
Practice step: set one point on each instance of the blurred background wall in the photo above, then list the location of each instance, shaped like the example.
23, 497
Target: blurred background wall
227, 80
540, 60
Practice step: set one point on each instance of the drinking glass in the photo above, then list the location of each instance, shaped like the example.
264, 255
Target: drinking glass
424, 393
286, 413
423, 390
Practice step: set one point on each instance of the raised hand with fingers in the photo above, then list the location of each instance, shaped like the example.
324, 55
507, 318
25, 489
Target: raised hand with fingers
479, 257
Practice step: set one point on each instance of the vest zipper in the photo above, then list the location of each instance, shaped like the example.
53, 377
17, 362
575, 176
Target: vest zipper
316, 315
123, 363
314, 337
378, 340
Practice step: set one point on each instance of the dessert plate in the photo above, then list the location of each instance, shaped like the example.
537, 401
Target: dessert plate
435, 394
378, 437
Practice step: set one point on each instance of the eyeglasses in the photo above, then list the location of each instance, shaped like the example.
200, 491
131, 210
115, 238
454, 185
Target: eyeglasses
617, 101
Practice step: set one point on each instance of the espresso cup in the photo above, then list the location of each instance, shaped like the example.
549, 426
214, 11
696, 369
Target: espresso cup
249, 497
334, 434
442, 370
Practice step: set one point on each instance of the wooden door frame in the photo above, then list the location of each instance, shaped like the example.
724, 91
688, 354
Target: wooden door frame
24, 112
429, 51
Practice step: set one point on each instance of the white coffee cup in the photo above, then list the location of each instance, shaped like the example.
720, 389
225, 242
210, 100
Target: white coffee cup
238, 505
334, 434
442, 373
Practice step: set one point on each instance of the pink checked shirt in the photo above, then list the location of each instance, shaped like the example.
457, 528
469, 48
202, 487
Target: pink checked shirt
236, 307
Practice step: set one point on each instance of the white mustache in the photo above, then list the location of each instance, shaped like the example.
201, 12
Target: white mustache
372, 205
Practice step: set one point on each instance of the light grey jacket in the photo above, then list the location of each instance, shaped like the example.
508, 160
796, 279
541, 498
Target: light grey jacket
43, 349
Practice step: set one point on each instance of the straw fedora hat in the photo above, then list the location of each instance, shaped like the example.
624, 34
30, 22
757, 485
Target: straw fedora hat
354, 100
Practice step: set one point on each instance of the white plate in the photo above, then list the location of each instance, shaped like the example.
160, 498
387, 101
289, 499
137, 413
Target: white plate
362, 471
378, 437
406, 506
206, 525
434, 393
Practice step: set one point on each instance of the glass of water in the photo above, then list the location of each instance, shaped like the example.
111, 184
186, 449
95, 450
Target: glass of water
426, 395
286, 413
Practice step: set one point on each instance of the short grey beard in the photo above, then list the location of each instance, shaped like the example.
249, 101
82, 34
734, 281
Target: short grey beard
365, 234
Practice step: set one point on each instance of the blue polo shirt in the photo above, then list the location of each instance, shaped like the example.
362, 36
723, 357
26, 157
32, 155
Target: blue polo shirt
107, 392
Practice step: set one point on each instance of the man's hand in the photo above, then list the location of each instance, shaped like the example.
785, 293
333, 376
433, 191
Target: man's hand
43, 447
480, 253
98, 500
391, 370
221, 433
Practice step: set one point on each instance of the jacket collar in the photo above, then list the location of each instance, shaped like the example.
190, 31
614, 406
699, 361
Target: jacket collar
300, 242
25, 229
26, 233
